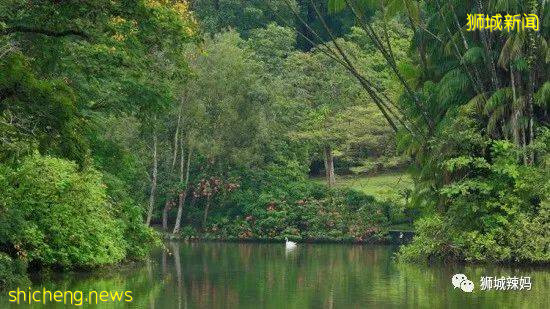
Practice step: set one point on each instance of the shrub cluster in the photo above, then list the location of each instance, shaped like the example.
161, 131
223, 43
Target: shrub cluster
302, 210
54, 215
498, 212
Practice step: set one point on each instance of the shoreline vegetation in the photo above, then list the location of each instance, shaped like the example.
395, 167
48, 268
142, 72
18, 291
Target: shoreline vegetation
374, 240
210, 119
388, 191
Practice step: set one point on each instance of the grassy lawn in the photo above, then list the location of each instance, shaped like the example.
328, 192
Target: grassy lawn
380, 186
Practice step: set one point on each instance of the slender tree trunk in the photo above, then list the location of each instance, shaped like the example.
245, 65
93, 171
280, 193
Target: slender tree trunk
329, 167
515, 111
181, 201
168, 204
165, 211
524, 142
532, 61
153, 180
206, 208
176, 136
421, 48
477, 83
488, 53
183, 195
182, 160
521, 127
531, 153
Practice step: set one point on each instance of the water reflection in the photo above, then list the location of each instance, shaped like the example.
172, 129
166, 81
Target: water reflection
219, 275
326, 276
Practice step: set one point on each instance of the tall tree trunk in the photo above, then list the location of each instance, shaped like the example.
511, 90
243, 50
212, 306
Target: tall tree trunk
206, 208
486, 41
329, 167
168, 204
477, 83
165, 211
515, 111
153, 181
421, 48
519, 81
176, 135
530, 95
183, 195
176, 139
531, 84
524, 143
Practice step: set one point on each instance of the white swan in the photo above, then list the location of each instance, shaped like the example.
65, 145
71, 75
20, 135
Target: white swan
290, 245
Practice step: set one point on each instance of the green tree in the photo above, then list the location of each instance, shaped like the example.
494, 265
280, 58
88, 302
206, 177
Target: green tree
54, 215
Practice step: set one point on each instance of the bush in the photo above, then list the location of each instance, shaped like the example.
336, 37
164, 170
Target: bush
139, 239
526, 240
530, 236
12, 272
305, 211
54, 215
432, 241
500, 215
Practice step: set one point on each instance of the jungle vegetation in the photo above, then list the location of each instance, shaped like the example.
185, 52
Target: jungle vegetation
207, 118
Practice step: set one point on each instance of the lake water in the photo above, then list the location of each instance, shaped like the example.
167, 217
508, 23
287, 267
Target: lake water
251, 275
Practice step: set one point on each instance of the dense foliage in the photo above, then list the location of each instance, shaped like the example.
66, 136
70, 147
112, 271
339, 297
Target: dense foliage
55, 215
207, 118
474, 118
297, 210
71, 196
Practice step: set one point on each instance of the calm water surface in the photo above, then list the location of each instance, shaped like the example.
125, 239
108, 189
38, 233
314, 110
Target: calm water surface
246, 275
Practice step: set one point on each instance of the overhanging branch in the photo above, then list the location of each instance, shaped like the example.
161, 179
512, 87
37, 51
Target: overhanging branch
46, 32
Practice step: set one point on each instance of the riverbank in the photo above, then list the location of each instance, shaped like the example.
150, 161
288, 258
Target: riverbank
393, 237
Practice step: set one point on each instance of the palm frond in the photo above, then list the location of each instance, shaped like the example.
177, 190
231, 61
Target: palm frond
451, 86
498, 113
520, 103
542, 96
477, 102
501, 97
511, 50
454, 41
474, 55
336, 5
